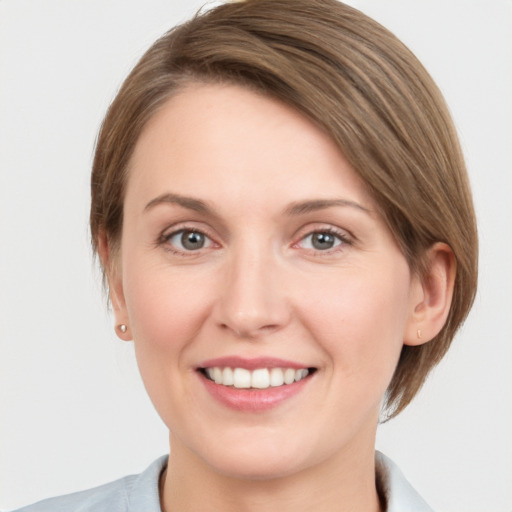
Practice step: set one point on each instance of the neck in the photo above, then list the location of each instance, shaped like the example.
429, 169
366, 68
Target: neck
343, 483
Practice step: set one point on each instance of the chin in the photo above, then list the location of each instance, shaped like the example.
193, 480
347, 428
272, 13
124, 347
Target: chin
259, 459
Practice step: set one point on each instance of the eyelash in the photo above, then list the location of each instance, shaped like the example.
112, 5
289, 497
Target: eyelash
342, 237
164, 240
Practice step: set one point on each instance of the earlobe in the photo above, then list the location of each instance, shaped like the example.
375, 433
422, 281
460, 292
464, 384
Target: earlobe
115, 288
431, 296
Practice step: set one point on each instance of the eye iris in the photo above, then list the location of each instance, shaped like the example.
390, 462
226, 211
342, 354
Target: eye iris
323, 241
192, 240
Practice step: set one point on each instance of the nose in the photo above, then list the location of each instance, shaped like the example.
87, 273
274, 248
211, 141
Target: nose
252, 302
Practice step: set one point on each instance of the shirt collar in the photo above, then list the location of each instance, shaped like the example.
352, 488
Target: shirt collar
398, 493
144, 494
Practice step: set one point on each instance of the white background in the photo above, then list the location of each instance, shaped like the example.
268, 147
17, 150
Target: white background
73, 411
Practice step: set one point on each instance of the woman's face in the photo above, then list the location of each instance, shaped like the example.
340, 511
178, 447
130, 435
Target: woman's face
252, 255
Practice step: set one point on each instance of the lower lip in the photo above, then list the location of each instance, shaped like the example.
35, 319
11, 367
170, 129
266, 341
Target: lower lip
253, 400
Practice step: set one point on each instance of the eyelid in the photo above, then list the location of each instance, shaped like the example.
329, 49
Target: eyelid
176, 234
343, 235
171, 231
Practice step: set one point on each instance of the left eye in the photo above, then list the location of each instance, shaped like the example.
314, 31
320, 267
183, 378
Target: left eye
188, 240
321, 241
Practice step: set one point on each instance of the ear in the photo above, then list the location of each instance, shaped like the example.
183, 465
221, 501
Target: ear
115, 287
431, 296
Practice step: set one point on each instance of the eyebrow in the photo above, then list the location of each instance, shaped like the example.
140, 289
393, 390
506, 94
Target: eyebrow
313, 205
186, 202
294, 209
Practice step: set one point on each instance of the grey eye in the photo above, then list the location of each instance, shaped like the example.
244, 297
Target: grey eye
321, 241
191, 240
187, 240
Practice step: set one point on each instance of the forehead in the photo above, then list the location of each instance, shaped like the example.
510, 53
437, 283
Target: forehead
227, 142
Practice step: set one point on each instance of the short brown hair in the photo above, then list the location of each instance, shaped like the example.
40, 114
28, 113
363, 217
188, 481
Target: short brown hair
358, 83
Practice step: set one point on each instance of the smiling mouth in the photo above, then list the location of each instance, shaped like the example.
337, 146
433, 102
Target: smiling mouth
260, 378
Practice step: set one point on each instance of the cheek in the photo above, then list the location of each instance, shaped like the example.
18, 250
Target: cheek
359, 318
165, 311
164, 306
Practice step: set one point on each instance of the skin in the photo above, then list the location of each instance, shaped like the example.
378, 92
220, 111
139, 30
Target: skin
259, 287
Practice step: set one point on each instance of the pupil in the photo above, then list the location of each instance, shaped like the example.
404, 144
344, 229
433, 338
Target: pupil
192, 240
323, 241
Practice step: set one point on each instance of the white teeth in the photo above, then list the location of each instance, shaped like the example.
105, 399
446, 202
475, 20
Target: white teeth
217, 375
276, 377
300, 374
289, 375
262, 378
227, 377
241, 378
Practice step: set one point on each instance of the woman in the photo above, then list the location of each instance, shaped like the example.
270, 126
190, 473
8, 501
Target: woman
284, 221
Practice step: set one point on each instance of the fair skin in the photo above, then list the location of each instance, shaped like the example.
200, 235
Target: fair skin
247, 235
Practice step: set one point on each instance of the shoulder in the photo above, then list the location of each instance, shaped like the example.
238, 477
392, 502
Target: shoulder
398, 493
129, 494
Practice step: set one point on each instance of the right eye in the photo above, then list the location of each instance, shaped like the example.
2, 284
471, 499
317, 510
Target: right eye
187, 240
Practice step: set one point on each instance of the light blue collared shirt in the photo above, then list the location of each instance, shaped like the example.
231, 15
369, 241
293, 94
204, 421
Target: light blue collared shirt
139, 493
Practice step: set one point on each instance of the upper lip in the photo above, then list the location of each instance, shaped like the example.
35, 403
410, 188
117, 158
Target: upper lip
251, 363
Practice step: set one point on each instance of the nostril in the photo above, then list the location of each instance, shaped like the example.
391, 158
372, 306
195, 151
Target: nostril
250, 333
